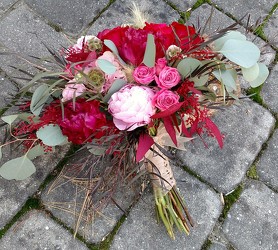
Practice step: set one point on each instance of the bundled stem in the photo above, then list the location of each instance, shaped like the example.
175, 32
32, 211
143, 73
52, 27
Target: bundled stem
170, 206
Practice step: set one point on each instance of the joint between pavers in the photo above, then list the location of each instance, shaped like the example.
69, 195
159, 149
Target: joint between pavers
11, 8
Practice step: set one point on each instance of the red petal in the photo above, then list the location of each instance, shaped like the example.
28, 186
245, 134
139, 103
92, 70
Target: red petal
214, 129
170, 129
144, 144
169, 111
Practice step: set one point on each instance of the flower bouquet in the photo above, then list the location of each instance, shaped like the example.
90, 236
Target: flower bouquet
126, 95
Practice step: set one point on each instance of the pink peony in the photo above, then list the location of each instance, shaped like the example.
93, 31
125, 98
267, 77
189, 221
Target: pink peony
131, 107
72, 90
144, 74
165, 98
160, 64
168, 78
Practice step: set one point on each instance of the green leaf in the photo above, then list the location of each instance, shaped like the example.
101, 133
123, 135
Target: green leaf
250, 74
96, 150
38, 77
114, 49
199, 81
106, 66
243, 53
218, 44
19, 168
39, 98
187, 66
35, 152
263, 74
227, 77
9, 118
116, 86
149, 56
51, 135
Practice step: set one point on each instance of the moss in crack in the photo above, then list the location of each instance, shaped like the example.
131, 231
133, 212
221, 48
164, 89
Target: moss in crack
31, 203
252, 173
230, 199
255, 94
105, 245
55, 26
206, 245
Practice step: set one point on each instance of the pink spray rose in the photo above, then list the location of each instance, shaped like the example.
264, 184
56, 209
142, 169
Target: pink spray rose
72, 90
160, 64
165, 98
144, 74
168, 78
131, 107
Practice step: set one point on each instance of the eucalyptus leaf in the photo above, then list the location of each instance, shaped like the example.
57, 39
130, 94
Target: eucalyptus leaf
250, 74
149, 56
199, 81
36, 151
96, 150
116, 86
106, 66
19, 168
218, 44
51, 135
9, 118
243, 53
114, 49
187, 66
39, 98
227, 77
263, 74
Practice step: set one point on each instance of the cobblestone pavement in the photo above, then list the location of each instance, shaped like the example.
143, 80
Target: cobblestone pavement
243, 175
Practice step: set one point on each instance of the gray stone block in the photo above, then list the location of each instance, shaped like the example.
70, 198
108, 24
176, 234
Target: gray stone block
271, 28
268, 165
269, 91
13, 194
253, 220
246, 127
66, 199
182, 5
119, 13
141, 230
36, 230
6, 4
23, 32
72, 16
217, 246
7, 91
256, 8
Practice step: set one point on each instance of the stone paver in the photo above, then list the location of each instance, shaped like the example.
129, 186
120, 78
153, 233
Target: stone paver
141, 230
5, 4
271, 28
225, 168
7, 90
61, 202
268, 165
253, 220
256, 8
182, 5
23, 32
36, 230
270, 90
71, 16
13, 194
119, 13
216, 246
